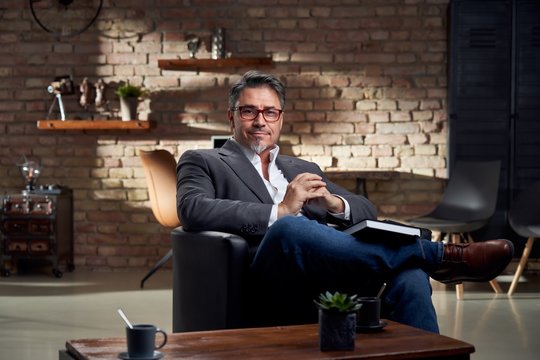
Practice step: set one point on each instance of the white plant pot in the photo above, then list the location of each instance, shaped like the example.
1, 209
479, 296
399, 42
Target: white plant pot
128, 108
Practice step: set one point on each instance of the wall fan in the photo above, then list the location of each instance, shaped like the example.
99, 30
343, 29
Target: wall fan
64, 18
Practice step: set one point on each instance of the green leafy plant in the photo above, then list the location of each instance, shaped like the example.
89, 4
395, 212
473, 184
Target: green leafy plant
338, 302
127, 90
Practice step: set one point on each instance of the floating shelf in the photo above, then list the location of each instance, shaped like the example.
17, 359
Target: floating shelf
93, 125
209, 64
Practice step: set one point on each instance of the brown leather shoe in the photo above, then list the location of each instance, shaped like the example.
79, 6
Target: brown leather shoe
481, 261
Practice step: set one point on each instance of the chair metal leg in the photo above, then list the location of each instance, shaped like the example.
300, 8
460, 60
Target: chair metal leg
158, 265
521, 265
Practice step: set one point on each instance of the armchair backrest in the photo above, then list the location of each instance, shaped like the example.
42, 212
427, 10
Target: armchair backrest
160, 171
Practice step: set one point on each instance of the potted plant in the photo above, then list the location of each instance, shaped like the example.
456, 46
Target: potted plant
129, 100
337, 321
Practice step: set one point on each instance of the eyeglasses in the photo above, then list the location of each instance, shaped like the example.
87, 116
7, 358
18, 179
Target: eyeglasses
251, 113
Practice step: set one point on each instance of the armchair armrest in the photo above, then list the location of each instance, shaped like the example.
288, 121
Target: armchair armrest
209, 278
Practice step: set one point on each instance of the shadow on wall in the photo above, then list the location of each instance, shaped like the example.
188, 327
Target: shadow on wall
188, 114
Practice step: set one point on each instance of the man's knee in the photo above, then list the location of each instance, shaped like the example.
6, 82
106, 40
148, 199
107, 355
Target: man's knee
289, 223
287, 228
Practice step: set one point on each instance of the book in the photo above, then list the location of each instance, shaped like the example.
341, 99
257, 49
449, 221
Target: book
383, 230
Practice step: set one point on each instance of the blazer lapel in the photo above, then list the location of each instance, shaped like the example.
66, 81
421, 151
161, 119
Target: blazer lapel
235, 159
287, 167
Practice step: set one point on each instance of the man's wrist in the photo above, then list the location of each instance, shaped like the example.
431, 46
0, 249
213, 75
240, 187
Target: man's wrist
346, 213
337, 206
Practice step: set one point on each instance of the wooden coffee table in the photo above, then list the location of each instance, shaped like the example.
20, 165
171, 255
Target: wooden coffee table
395, 341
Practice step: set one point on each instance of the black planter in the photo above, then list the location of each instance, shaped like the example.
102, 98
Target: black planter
337, 331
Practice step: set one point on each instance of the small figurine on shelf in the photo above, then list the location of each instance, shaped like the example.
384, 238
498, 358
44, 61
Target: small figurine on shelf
100, 93
84, 87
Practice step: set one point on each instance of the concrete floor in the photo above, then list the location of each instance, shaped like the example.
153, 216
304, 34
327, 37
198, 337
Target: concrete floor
38, 313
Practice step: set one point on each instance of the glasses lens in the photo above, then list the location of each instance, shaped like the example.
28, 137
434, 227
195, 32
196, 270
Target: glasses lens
251, 113
248, 113
271, 114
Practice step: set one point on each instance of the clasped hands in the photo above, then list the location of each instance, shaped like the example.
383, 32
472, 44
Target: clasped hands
308, 188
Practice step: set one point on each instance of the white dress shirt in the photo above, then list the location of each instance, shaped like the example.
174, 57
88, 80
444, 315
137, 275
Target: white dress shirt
277, 183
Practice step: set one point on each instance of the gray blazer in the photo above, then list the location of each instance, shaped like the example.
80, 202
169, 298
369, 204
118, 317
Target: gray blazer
220, 190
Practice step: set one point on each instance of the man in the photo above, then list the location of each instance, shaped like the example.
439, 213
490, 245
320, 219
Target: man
247, 188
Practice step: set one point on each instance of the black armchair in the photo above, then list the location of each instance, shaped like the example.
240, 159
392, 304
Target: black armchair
209, 280
213, 288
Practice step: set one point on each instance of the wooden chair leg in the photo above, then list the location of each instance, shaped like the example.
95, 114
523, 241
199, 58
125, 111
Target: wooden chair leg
494, 283
521, 265
456, 239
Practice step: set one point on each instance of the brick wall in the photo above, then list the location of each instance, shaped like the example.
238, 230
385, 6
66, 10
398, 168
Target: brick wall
366, 90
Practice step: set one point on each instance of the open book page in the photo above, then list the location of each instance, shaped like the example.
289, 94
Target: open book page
383, 230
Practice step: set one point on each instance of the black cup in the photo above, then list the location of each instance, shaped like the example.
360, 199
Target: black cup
369, 315
141, 340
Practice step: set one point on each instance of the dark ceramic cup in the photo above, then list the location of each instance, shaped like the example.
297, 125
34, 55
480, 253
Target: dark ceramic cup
369, 314
141, 340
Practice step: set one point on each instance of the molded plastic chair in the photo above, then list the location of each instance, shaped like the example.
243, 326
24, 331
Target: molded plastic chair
468, 203
160, 171
524, 218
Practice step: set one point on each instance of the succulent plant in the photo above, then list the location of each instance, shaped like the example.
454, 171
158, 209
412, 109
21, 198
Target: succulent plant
338, 302
127, 90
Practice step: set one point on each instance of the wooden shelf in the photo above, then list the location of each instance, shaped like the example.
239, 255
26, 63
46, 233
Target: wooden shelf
93, 125
210, 64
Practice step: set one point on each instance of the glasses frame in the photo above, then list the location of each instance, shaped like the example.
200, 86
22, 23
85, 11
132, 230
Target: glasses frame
239, 109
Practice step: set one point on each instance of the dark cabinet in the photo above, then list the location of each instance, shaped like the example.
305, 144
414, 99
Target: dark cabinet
37, 225
494, 93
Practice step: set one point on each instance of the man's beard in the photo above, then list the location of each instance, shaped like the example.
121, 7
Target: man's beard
258, 147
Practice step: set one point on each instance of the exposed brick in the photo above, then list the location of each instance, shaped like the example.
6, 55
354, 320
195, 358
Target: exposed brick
109, 195
417, 138
366, 89
430, 104
366, 105
377, 139
359, 150
399, 116
387, 162
322, 161
396, 128
341, 151
307, 150
346, 116
357, 163
419, 162
332, 128
379, 116
324, 139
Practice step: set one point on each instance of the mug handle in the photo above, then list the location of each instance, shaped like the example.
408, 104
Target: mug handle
164, 338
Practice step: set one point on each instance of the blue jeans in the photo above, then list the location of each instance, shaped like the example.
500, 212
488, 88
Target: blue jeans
299, 258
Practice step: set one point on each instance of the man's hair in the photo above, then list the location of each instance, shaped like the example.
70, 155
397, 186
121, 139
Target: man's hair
254, 79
